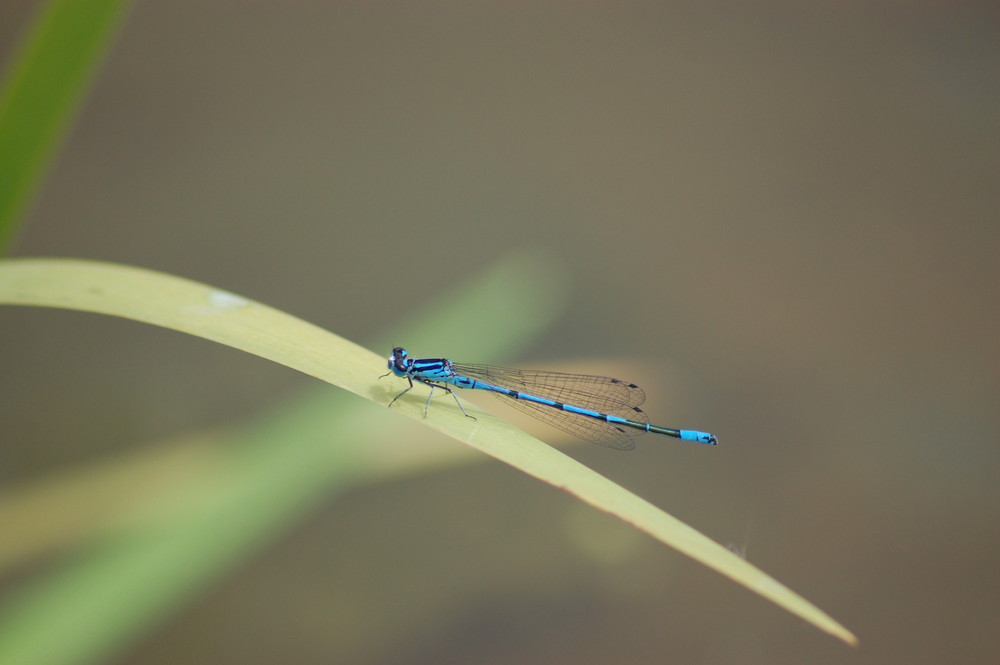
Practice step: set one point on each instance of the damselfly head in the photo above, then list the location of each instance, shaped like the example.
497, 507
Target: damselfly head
397, 360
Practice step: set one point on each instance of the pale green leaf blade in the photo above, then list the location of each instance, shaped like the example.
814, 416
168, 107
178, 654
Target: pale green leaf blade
201, 310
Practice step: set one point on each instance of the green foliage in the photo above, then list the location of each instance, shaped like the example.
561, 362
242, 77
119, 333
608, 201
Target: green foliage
41, 91
243, 487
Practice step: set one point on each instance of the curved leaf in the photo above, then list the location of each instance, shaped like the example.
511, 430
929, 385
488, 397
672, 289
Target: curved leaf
201, 310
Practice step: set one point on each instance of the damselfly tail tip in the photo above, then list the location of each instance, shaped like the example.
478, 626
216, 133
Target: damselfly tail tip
699, 437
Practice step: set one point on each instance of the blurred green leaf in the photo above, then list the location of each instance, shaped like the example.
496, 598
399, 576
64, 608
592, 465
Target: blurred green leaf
41, 90
159, 525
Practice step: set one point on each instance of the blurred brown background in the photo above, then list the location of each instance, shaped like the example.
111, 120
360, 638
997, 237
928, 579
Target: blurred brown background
792, 208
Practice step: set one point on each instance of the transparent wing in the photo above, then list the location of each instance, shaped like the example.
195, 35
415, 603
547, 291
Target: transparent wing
597, 393
596, 431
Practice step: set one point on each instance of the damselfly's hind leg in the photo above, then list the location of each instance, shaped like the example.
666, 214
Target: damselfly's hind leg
432, 386
447, 390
